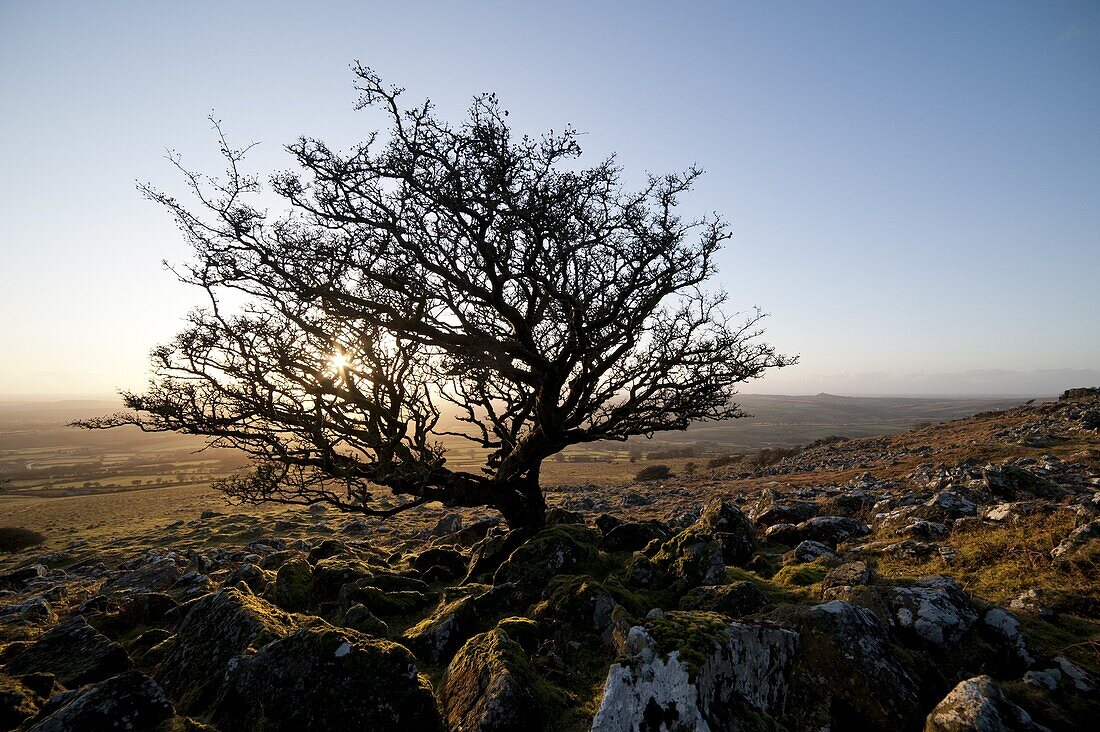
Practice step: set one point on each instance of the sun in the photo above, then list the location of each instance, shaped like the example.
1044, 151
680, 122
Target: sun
338, 361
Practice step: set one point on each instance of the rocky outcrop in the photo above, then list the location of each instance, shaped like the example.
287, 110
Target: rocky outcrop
846, 675
979, 705
129, 701
770, 509
936, 610
1085, 537
490, 686
438, 636
74, 652
735, 600
562, 549
827, 530
578, 602
630, 536
732, 528
694, 671
692, 557
326, 678
215, 630
18, 702
293, 588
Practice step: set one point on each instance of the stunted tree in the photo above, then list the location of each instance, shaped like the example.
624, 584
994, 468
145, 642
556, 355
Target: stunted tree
443, 283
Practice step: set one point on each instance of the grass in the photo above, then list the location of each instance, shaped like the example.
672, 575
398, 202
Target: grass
998, 563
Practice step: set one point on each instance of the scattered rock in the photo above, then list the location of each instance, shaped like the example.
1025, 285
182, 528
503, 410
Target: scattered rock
769, 509
693, 557
293, 588
449, 524
578, 602
1006, 626
808, 551
563, 549
18, 703
440, 635
1080, 539
630, 536
937, 610
977, 705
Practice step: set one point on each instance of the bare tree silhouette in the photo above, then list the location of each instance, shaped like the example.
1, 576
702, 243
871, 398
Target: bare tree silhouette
440, 265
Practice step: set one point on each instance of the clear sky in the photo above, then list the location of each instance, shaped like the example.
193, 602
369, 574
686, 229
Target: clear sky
914, 187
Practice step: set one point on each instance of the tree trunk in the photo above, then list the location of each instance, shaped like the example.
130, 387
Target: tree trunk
524, 507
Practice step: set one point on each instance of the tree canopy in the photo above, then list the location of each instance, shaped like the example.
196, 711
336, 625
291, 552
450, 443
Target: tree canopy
439, 270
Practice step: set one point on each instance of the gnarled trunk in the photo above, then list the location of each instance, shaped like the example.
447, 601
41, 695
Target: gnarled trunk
524, 506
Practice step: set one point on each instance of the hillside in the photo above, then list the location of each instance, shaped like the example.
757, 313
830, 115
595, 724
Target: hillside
41, 456
895, 582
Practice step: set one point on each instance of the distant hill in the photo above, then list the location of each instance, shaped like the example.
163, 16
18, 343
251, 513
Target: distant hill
778, 420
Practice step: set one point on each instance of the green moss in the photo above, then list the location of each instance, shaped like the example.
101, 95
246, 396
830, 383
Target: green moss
689, 556
802, 575
380, 602
561, 549
694, 634
493, 660
293, 588
524, 631
773, 592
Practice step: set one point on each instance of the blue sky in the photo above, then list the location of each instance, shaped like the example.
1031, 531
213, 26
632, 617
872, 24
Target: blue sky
914, 187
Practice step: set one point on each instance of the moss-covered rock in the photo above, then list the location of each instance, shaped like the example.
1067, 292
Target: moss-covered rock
563, 549
732, 528
327, 548
978, 704
846, 674
128, 701
359, 617
391, 582
631, 536
804, 574
579, 602
440, 563
74, 652
215, 630
293, 587
489, 553
384, 603
437, 637
326, 678
490, 686
251, 576
693, 557
695, 670
524, 631
735, 600
332, 573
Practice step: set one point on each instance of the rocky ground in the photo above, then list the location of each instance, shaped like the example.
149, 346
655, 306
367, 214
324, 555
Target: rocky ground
939, 579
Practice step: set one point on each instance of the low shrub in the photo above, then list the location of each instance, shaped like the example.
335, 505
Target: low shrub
16, 538
654, 472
